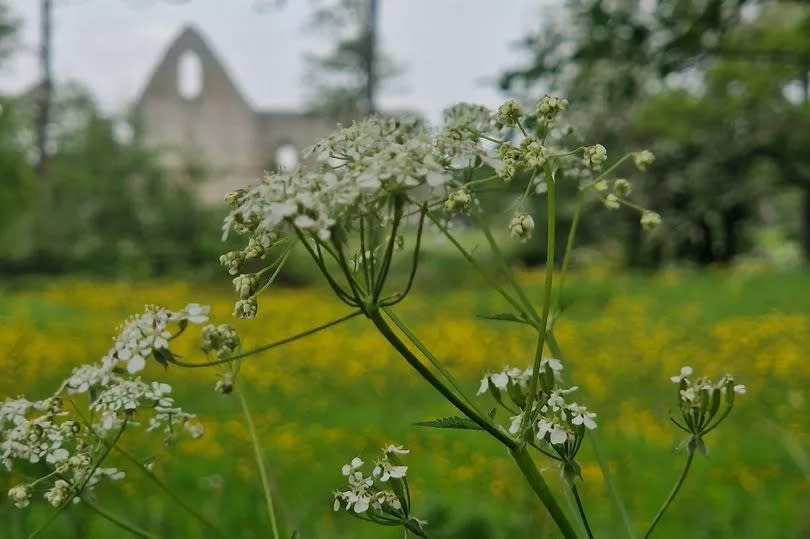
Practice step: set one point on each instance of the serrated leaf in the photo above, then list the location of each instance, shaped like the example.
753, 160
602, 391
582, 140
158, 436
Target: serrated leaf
504, 317
453, 422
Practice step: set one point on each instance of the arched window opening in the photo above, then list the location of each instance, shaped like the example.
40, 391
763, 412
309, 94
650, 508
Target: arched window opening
286, 156
189, 75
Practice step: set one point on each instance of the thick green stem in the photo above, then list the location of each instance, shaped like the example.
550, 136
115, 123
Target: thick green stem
542, 328
581, 510
672, 494
268, 495
269, 346
540, 487
428, 354
387, 332
118, 521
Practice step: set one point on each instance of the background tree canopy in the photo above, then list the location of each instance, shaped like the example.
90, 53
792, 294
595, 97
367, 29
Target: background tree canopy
717, 89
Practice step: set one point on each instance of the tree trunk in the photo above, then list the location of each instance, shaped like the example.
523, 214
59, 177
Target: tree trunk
805, 224
45, 93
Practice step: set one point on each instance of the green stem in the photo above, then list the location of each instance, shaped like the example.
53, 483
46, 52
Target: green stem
118, 521
269, 346
542, 329
50, 520
496, 250
393, 300
489, 278
268, 496
148, 473
428, 375
600, 457
427, 353
672, 494
540, 487
165, 488
569, 246
389, 252
581, 510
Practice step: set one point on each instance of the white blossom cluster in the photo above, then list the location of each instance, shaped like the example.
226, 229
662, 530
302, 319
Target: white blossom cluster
46, 431
553, 419
700, 400
145, 334
381, 496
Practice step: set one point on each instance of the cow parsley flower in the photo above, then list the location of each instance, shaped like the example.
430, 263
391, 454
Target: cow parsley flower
510, 112
20, 496
549, 107
594, 156
521, 227
59, 493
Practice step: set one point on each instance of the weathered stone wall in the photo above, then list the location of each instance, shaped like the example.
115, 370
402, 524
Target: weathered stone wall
216, 128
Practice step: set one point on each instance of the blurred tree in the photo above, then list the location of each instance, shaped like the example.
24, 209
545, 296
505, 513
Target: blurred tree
114, 209
346, 80
706, 85
45, 89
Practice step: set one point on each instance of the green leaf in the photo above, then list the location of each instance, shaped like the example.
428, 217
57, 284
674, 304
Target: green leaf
453, 422
504, 317
162, 356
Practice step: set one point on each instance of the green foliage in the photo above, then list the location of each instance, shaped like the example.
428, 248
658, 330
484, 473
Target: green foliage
346, 77
717, 89
107, 205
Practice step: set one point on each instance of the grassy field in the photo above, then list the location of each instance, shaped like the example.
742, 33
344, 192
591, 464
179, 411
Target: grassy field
343, 393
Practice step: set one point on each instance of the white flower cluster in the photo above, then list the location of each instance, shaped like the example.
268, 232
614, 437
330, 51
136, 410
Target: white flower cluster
46, 432
700, 401
519, 378
358, 168
381, 496
559, 421
146, 334
553, 420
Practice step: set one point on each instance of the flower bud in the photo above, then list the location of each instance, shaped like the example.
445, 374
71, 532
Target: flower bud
650, 220
611, 202
622, 187
548, 107
20, 496
509, 113
225, 384
643, 159
594, 156
458, 201
59, 494
246, 308
246, 285
521, 227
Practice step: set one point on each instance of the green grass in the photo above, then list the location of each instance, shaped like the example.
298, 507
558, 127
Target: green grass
321, 402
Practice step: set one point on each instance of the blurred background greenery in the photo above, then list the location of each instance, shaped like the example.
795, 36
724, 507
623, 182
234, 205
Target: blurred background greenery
94, 223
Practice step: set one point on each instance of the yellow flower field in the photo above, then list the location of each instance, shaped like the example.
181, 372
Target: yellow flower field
341, 393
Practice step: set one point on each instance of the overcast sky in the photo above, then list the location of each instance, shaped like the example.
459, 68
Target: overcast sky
452, 49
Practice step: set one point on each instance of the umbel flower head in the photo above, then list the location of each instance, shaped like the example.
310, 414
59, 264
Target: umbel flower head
63, 442
700, 401
382, 496
554, 422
